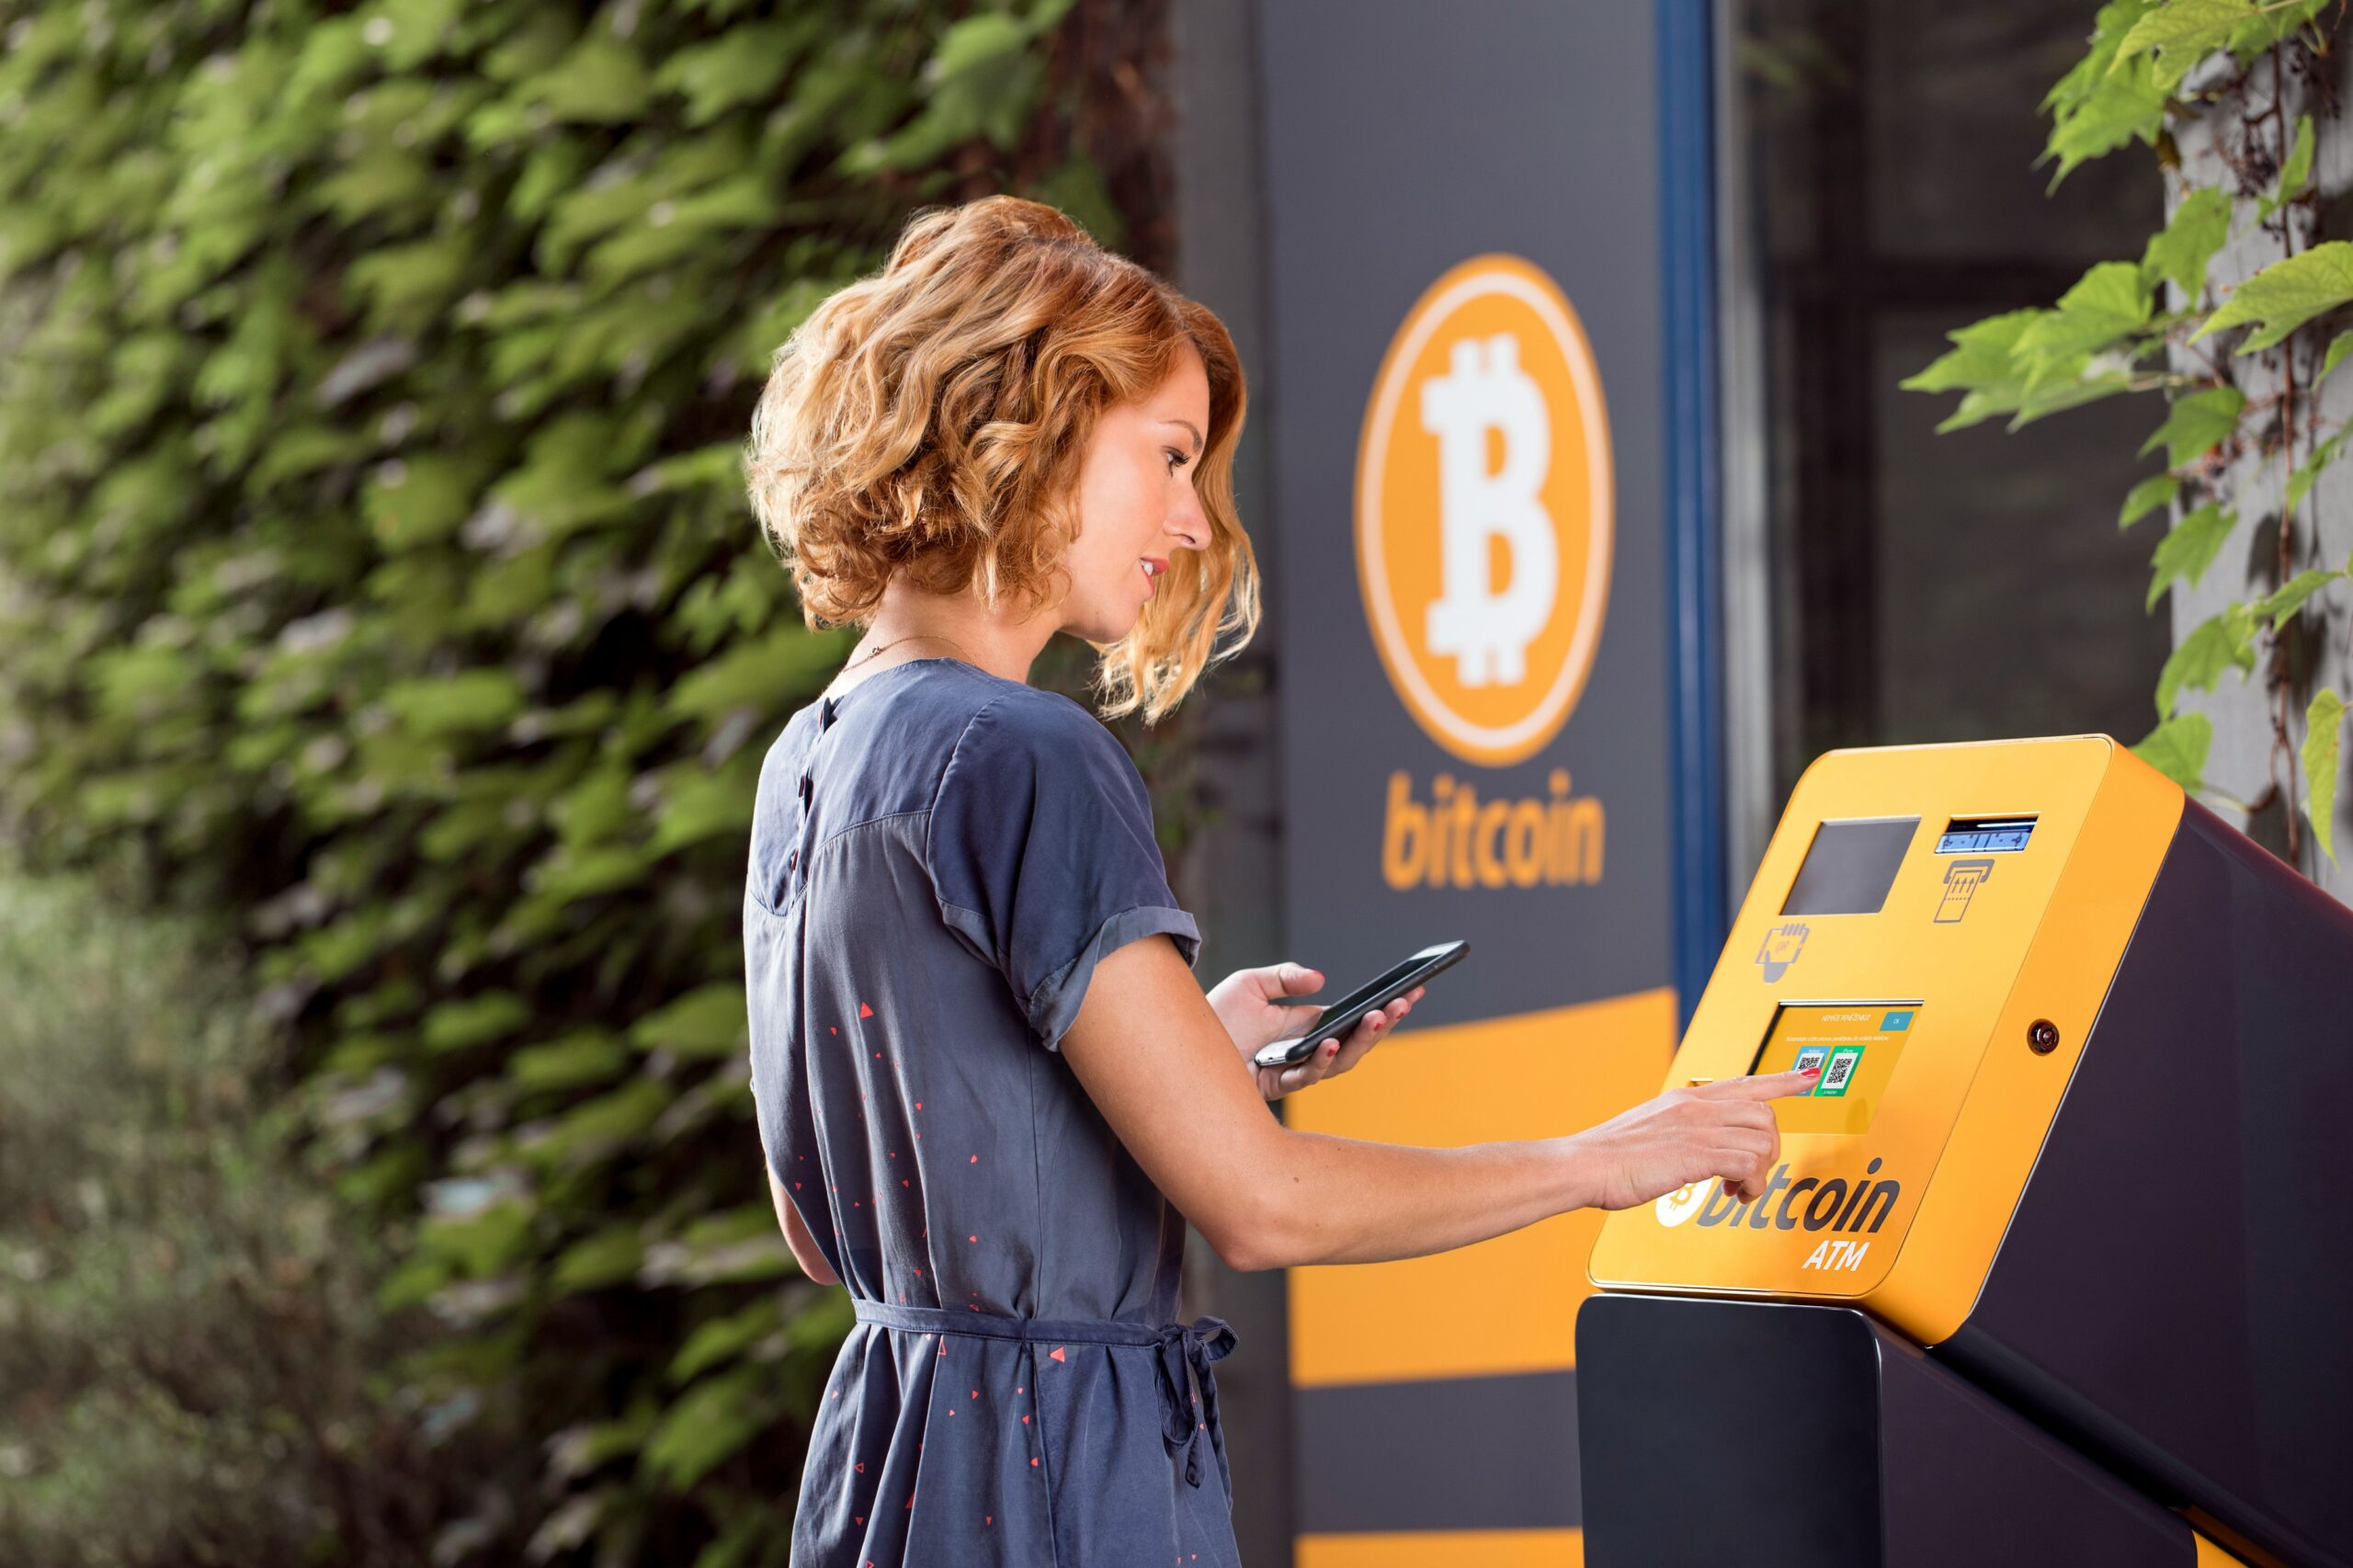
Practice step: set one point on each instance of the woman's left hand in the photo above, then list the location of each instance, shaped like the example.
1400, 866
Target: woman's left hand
1244, 1002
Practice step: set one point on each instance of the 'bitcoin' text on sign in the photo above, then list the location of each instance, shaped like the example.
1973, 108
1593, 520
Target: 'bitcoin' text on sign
1458, 840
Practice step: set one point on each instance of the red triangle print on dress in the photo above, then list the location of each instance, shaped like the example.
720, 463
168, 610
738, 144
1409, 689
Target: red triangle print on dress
864, 1011
1055, 1354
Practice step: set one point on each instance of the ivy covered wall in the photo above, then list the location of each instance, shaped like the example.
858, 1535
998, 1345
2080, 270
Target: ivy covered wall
374, 564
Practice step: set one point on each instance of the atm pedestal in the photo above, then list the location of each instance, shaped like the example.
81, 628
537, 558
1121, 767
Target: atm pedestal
1776, 1436
2056, 1264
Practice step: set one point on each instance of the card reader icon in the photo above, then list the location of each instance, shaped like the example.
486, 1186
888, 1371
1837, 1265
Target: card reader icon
1962, 879
1782, 945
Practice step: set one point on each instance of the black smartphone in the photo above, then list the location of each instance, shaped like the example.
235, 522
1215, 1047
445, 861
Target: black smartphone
1343, 1015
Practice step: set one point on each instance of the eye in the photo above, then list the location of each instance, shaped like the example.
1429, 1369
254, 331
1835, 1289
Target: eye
1176, 458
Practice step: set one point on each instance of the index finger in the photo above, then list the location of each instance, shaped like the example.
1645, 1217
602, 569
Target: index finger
1762, 1086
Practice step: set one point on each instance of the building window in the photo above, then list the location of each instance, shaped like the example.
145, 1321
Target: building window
1926, 587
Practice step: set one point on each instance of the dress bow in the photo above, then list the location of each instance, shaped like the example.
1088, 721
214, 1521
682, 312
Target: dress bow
1198, 1345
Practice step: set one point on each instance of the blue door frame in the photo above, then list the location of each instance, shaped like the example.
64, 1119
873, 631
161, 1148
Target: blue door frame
1694, 612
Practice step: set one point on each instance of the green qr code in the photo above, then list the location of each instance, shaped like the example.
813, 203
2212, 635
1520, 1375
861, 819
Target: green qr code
1840, 1070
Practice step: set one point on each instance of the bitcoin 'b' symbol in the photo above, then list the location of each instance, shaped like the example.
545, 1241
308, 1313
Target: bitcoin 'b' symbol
1484, 510
1487, 633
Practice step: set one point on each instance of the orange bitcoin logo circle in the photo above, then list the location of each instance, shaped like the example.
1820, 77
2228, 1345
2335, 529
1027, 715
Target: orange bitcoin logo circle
1484, 510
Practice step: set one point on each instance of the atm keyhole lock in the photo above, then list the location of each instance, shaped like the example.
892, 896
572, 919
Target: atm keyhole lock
2042, 1037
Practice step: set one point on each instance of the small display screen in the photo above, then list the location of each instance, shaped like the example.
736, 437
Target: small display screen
1856, 1044
1850, 865
1988, 835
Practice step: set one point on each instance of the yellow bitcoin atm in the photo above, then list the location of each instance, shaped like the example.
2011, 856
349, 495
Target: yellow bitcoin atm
2057, 1264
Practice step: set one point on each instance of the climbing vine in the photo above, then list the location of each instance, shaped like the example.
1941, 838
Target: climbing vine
2241, 368
375, 567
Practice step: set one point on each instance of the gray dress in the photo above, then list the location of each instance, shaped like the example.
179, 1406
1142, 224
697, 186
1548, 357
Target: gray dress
940, 858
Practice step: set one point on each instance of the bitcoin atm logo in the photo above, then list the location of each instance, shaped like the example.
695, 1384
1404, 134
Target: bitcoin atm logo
1484, 510
1675, 1207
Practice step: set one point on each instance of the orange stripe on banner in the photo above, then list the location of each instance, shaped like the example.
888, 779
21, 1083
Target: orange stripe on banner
1504, 1305
1489, 1549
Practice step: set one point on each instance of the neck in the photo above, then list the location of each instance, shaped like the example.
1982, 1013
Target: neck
990, 639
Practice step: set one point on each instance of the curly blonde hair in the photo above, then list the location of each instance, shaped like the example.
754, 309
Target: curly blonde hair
930, 421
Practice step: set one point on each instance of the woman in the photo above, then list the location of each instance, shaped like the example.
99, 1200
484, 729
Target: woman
991, 1092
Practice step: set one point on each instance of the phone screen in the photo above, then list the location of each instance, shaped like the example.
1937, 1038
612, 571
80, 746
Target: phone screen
1356, 1003
1341, 1017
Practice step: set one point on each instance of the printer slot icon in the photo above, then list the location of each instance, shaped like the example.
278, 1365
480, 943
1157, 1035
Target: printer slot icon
1962, 879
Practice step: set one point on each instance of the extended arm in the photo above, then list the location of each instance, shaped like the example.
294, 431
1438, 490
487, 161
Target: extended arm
796, 1236
1163, 1069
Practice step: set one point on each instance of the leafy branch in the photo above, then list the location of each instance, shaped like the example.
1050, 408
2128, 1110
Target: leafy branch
2157, 326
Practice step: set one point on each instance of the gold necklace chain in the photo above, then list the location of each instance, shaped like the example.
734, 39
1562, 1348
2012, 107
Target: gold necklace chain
911, 637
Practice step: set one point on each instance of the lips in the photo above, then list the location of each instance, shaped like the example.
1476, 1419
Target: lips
1152, 566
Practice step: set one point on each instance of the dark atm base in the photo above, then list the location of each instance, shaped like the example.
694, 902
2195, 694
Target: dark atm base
1766, 1434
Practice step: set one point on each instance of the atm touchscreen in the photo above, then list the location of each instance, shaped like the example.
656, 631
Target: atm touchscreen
1856, 1044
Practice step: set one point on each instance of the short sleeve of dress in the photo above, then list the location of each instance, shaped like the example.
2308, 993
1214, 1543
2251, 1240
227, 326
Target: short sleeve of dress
1042, 854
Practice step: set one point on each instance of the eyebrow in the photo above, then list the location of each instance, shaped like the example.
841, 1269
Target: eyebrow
1189, 425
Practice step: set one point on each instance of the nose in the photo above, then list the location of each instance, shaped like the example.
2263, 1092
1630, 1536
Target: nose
1189, 523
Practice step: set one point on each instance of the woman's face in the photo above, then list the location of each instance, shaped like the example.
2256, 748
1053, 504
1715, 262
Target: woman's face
1136, 503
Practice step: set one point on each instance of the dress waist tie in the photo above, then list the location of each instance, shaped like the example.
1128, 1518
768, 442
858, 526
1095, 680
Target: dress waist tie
1198, 1345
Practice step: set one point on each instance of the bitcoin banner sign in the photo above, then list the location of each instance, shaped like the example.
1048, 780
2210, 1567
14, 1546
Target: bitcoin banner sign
1467, 571
1483, 510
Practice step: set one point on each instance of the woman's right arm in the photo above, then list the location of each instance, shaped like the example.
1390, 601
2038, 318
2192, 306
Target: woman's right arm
796, 1235
1163, 1073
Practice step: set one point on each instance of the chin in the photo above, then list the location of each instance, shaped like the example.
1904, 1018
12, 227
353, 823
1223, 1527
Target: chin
1102, 624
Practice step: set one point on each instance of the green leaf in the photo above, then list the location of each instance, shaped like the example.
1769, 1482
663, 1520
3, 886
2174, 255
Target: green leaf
584, 1056
478, 1244
454, 1026
2075, 387
599, 1127
419, 500
2196, 424
606, 1259
708, 1423
744, 64
2275, 21
2295, 175
411, 284
1983, 355
2177, 749
981, 82
568, 874
764, 675
2125, 105
447, 705
2338, 347
2301, 481
1988, 363
2110, 24
699, 805
2324, 737
2157, 490
723, 1339
2286, 294
736, 1245
2280, 607
1077, 190
2219, 642
2183, 250
2183, 32
708, 1021
2108, 302
602, 80
2189, 549
576, 1450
